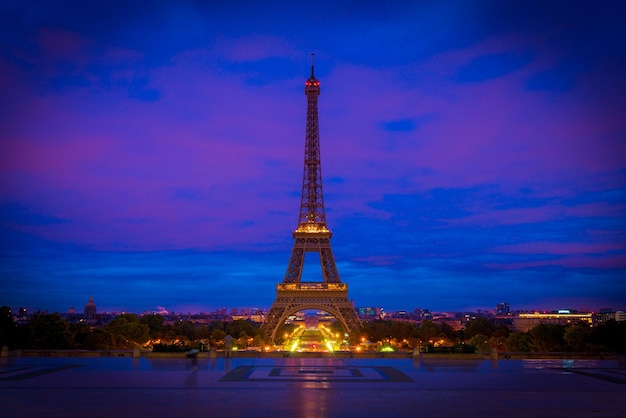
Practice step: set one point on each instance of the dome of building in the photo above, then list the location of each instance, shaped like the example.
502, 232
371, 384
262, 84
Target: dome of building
90, 308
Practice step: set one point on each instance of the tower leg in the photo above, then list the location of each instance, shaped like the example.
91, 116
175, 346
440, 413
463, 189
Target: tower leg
288, 302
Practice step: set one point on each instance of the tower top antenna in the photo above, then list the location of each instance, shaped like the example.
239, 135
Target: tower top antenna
312, 65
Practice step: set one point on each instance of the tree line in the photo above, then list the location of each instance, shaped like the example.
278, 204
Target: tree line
51, 331
484, 335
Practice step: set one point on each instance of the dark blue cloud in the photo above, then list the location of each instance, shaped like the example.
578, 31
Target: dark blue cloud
440, 225
18, 214
62, 277
185, 193
139, 89
334, 180
492, 66
574, 34
402, 125
557, 79
265, 71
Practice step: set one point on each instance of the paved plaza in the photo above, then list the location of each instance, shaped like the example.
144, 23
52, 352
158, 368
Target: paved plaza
310, 387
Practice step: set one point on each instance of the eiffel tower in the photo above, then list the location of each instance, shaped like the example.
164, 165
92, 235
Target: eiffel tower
312, 235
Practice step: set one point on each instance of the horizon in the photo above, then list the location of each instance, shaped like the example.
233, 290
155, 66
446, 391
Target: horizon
195, 309
471, 153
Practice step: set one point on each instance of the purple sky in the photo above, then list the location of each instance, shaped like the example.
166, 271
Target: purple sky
472, 152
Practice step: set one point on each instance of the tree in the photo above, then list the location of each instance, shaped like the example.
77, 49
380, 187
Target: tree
610, 336
355, 336
337, 328
481, 326
100, 339
519, 341
80, 332
501, 331
50, 331
378, 330
284, 329
7, 327
128, 330
155, 324
185, 329
445, 330
428, 330
203, 333
258, 341
577, 337
480, 341
498, 342
242, 341
403, 330
240, 326
547, 337
217, 335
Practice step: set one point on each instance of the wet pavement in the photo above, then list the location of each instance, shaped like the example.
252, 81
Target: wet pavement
310, 387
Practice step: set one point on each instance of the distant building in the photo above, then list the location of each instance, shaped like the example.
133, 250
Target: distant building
90, 309
503, 309
422, 314
451, 320
311, 321
400, 315
370, 313
607, 314
526, 321
247, 314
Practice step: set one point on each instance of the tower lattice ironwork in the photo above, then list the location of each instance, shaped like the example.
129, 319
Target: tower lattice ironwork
312, 235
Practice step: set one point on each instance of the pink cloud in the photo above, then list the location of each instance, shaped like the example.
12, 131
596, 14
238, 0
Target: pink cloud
111, 167
61, 43
377, 260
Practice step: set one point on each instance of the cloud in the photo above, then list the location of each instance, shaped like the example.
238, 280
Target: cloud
254, 48
491, 66
480, 143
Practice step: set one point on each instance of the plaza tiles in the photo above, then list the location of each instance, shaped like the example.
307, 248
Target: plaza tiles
310, 387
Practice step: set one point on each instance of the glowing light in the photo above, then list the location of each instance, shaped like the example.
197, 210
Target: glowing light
312, 227
294, 346
329, 346
387, 349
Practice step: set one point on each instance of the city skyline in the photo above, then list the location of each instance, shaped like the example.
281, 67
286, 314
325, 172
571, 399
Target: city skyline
472, 153
365, 313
